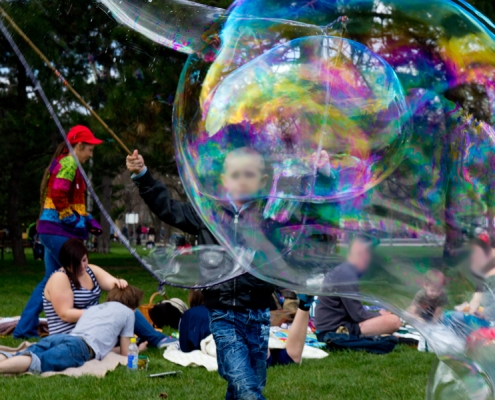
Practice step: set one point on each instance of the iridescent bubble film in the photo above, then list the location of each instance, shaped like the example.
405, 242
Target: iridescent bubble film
302, 127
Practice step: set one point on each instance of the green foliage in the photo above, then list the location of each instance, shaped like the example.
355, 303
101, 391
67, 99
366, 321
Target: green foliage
119, 73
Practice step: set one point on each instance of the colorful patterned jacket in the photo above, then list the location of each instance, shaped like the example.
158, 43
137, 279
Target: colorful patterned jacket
64, 211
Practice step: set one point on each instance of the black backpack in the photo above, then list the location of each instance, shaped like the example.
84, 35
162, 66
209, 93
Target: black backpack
370, 344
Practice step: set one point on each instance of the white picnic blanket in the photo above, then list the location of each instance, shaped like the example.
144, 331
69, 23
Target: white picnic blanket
207, 356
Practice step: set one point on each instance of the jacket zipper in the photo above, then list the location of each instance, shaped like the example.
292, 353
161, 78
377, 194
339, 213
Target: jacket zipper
235, 287
236, 221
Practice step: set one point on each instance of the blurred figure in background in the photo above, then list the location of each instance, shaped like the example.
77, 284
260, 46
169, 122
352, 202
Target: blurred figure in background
334, 313
428, 302
194, 325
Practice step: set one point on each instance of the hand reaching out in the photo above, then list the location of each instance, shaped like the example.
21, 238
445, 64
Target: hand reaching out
322, 163
135, 163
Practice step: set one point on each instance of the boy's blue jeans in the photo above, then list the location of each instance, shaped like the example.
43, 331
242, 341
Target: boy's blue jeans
28, 324
241, 339
56, 353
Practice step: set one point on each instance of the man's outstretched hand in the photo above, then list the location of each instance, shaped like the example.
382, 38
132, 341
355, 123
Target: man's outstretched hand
135, 163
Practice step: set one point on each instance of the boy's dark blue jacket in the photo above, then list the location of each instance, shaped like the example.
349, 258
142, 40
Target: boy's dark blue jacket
243, 292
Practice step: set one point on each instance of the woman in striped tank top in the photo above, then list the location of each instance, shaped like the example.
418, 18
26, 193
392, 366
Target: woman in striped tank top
78, 286
84, 297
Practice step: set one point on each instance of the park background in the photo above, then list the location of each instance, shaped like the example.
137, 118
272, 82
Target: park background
130, 82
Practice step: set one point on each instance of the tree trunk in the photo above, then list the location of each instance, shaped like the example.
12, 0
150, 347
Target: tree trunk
454, 180
13, 222
156, 223
106, 201
453, 233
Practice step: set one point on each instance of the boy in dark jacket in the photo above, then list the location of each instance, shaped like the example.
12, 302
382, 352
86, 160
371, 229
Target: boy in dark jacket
238, 308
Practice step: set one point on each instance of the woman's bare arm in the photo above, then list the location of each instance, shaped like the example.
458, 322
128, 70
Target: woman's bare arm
58, 291
106, 281
297, 335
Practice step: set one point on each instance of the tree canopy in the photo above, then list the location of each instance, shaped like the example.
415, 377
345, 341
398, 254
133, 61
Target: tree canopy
127, 79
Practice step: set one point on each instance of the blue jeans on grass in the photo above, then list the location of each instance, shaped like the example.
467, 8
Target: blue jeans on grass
56, 353
241, 339
28, 325
144, 330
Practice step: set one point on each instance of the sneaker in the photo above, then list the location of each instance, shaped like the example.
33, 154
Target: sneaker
165, 342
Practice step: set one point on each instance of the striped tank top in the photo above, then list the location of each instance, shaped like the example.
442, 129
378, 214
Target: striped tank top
83, 299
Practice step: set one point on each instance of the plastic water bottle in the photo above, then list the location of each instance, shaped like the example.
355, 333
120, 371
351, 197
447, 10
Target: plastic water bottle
132, 356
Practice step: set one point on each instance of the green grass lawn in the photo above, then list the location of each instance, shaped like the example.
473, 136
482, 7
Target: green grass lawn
345, 375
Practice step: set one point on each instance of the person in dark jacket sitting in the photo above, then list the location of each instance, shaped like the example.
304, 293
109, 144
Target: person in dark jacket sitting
194, 325
334, 312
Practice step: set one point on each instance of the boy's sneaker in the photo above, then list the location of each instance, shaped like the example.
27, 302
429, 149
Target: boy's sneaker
165, 342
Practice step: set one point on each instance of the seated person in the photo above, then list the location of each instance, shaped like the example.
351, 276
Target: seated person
473, 306
77, 286
428, 302
482, 265
94, 336
297, 336
194, 325
333, 312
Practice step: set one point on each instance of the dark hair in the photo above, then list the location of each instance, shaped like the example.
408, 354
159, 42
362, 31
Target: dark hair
195, 298
70, 257
130, 296
484, 245
61, 149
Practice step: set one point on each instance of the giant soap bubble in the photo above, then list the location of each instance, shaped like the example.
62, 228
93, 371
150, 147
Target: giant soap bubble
300, 125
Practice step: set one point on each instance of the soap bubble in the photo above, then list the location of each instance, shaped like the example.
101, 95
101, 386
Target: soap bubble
397, 102
301, 126
308, 94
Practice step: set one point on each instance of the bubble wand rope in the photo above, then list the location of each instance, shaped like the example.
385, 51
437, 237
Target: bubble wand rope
329, 84
64, 81
91, 190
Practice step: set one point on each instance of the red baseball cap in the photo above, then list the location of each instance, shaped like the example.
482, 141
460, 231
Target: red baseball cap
82, 134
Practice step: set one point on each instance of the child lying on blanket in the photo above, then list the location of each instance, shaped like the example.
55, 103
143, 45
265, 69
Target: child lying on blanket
94, 336
296, 338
